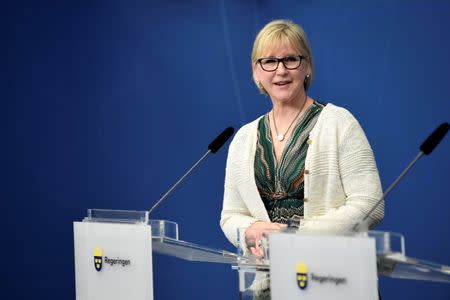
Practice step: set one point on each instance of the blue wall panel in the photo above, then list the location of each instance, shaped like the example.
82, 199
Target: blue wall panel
108, 103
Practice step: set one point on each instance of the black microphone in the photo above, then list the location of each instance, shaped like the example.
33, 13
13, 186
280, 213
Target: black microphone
434, 139
426, 148
215, 145
221, 139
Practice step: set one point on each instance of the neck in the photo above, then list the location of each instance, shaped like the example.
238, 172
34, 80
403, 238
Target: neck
284, 121
286, 109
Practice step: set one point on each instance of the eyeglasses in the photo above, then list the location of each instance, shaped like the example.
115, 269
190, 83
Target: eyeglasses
290, 62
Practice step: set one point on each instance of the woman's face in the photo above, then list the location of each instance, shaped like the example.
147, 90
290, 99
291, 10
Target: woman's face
282, 85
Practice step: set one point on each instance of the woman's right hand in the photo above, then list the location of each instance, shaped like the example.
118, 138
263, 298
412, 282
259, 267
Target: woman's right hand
255, 233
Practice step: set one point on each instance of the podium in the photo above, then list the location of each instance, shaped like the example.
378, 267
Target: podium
113, 256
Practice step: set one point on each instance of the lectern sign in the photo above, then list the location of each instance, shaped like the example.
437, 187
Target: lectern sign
99, 261
113, 261
314, 267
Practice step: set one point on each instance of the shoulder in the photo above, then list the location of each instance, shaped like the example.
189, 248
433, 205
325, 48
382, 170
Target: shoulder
334, 122
242, 146
331, 111
246, 133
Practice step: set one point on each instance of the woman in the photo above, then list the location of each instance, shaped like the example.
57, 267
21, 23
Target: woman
301, 160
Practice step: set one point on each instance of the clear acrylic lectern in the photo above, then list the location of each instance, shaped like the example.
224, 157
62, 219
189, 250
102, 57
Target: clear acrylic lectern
120, 243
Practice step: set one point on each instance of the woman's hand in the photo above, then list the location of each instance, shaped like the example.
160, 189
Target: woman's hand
255, 233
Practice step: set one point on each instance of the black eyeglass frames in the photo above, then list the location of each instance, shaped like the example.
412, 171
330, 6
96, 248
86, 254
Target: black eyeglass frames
290, 62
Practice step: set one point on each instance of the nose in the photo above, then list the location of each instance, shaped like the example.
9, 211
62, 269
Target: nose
281, 69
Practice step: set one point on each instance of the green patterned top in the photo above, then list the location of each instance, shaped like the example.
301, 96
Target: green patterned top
281, 185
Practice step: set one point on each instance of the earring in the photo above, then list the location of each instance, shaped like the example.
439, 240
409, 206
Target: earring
260, 87
306, 82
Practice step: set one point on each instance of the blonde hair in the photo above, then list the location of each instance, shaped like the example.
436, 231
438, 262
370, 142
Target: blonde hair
282, 32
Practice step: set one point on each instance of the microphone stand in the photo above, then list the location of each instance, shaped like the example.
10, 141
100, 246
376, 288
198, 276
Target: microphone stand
215, 145
179, 181
390, 188
426, 148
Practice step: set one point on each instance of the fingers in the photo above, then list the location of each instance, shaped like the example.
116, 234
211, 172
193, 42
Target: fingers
256, 232
264, 232
257, 251
261, 229
266, 225
280, 225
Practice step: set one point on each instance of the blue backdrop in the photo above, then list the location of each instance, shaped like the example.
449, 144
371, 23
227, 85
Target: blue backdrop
109, 102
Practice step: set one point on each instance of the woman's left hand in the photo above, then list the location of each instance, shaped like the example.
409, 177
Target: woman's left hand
256, 232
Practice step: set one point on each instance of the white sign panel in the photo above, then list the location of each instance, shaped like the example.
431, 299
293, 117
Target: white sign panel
313, 267
113, 261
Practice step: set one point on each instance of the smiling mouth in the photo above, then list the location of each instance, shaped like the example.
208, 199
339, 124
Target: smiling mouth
282, 83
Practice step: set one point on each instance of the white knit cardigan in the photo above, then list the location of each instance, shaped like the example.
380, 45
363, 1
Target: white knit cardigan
341, 177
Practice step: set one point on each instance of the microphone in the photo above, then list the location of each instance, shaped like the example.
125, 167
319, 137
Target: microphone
220, 140
426, 148
215, 145
434, 139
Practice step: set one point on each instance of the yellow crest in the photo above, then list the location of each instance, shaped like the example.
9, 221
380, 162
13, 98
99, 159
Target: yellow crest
98, 258
302, 275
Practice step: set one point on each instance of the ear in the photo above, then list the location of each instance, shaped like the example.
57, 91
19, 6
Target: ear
254, 71
308, 68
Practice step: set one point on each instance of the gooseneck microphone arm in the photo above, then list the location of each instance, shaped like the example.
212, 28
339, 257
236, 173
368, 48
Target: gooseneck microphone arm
394, 184
179, 181
215, 145
426, 148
